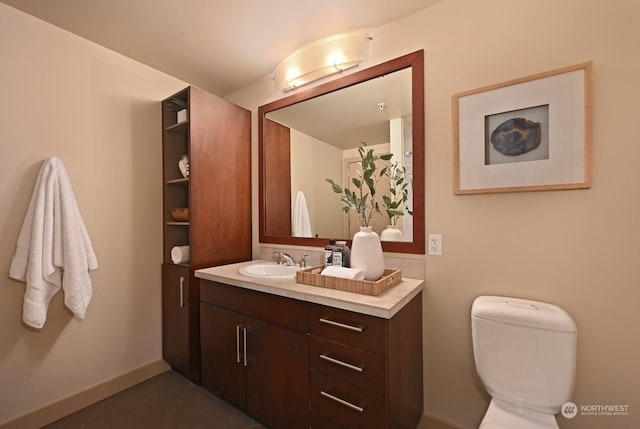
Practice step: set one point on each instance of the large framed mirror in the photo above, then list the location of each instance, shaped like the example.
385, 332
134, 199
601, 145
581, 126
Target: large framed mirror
313, 135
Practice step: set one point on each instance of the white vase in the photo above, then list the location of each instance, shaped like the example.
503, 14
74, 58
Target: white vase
391, 233
366, 253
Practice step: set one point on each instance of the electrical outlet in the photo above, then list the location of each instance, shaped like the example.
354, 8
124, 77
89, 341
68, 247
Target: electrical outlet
435, 244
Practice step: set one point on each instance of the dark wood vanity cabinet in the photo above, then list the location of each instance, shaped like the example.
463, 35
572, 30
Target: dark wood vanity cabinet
255, 353
215, 135
365, 371
176, 307
294, 364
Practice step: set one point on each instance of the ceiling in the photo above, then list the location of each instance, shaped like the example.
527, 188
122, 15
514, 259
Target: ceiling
218, 45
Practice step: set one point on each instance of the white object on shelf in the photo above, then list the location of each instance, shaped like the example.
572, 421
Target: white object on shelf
181, 115
183, 165
180, 254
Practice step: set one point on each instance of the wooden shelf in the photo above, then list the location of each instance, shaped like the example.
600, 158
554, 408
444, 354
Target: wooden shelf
180, 127
182, 180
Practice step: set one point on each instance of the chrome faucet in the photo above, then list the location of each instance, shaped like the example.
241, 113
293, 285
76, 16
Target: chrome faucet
284, 259
303, 261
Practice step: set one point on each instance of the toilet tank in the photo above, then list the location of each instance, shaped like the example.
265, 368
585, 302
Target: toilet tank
525, 351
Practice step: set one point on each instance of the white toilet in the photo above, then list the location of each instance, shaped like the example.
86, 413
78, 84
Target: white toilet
525, 354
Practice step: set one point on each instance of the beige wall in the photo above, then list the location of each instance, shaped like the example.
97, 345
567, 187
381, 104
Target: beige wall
99, 113
578, 249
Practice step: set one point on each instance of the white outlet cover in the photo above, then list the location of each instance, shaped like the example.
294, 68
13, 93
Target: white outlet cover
434, 244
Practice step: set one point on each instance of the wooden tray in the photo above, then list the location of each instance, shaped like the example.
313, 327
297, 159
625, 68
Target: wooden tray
312, 276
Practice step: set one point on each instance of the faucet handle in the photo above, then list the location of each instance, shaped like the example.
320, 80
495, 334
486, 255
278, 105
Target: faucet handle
278, 257
303, 261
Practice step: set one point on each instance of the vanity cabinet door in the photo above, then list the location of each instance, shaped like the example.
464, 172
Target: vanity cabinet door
175, 317
255, 353
277, 375
223, 353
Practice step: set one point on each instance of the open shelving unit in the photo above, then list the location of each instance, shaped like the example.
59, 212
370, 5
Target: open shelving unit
216, 136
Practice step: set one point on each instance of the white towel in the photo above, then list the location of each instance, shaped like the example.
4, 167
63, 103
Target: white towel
53, 249
343, 272
301, 222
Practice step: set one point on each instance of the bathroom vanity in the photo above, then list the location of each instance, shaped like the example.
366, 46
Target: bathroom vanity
294, 355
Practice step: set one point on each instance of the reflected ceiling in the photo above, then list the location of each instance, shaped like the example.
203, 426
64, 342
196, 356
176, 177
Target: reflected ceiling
354, 113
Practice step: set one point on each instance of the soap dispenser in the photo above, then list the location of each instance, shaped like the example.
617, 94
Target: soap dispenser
341, 254
328, 253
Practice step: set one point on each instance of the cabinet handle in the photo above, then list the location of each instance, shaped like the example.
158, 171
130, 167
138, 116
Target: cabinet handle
244, 344
341, 325
244, 335
181, 292
237, 343
341, 363
342, 401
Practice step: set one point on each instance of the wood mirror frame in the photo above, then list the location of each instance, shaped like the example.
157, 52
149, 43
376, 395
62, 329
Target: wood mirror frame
413, 60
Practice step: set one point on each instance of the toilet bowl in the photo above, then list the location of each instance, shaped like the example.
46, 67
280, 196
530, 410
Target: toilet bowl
525, 356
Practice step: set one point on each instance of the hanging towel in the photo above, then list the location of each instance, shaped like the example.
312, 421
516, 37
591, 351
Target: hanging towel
53, 250
301, 222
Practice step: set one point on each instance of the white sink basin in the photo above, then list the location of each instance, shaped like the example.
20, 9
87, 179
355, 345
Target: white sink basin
266, 270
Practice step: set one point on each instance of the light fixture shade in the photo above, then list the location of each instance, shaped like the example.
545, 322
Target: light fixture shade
322, 58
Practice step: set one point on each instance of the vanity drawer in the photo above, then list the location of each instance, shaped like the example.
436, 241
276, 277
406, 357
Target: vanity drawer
275, 309
354, 329
340, 404
353, 366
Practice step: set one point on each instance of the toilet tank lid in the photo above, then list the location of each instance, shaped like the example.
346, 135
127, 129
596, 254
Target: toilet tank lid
523, 312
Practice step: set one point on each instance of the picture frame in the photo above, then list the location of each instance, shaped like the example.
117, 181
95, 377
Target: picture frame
527, 134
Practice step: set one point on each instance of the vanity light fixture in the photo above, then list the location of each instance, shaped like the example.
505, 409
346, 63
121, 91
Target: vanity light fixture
322, 58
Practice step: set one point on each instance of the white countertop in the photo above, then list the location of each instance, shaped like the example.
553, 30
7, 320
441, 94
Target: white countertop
384, 305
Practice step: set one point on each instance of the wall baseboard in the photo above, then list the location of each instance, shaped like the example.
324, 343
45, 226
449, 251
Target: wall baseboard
429, 421
69, 405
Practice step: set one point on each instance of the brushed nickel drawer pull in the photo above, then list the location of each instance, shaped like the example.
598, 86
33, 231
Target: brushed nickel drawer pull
181, 291
341, 363
342, 401
237, 343
341, 325
244, 336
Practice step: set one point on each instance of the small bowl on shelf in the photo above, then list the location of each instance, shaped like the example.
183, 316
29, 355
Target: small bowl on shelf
180, 214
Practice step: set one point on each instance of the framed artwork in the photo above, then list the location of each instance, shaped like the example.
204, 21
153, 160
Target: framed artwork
528, 134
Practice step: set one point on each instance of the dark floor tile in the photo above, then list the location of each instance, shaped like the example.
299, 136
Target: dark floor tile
201, 409
166, 401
